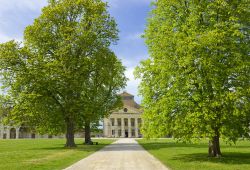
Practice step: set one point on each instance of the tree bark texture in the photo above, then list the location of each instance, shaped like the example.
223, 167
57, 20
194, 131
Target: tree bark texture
214, 146
87, 134
70, 140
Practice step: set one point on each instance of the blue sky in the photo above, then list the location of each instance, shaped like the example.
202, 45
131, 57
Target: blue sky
130, 15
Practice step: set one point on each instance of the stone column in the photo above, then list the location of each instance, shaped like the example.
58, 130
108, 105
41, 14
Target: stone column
1, 132
123, 130
136, 128
17, 133
105, 127
129, 127
8, 133
116, 128
110, 128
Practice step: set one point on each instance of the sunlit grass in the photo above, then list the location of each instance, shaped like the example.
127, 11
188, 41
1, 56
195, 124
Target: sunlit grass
43, 154
181, 156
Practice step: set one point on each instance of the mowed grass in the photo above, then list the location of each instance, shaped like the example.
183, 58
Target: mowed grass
43, 154
181, 156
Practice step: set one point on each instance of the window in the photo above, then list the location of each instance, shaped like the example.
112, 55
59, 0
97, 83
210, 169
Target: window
125, 110
125, 122
132, 122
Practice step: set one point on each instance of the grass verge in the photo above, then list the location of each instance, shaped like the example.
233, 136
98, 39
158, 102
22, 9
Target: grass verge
37, 154
194, 156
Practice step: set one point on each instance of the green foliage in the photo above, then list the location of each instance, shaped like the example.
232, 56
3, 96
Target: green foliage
105, 81
64, 59
196, 82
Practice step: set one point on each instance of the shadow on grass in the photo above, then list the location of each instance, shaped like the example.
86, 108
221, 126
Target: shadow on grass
227, 158
201, 155
160, 145
80, 147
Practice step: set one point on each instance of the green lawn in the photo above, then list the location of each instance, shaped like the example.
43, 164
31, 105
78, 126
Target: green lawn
194, 156
43, 154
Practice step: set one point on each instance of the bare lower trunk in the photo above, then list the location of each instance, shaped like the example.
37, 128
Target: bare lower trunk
70, 141
87, 133
214, 147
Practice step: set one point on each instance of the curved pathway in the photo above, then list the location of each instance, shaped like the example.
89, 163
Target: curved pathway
124, 154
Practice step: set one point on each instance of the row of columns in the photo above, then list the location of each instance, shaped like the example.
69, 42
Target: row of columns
122, 128
7, 131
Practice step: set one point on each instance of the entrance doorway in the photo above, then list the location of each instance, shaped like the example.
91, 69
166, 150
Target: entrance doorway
33, 135
12, 133
126, 134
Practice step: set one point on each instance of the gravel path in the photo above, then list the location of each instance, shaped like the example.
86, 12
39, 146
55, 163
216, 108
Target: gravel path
124, 154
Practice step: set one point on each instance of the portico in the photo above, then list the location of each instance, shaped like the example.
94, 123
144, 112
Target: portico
125, 122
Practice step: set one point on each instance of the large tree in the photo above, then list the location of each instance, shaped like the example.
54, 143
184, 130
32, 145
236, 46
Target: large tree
196, 82
101, 96
48, 74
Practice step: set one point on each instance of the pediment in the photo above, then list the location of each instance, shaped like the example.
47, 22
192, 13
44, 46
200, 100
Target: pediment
128, 109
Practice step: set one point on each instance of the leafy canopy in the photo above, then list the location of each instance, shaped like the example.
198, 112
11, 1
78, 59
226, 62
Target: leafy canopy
196, 82
64, 51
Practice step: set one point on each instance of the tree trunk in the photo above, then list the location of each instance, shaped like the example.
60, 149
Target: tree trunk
210, 148
70, 140
214, 146
87, 133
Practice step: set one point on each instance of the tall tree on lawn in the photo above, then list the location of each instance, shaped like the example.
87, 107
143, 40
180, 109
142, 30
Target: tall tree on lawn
196, 82
48, 75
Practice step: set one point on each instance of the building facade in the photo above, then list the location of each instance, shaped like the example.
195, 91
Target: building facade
125, 122
19, 132
25, 132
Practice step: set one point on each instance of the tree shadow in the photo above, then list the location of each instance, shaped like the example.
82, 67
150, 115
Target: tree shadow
160, 145
79, 147
227, 158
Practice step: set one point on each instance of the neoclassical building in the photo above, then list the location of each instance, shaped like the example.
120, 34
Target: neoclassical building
23, 132
126, 121
18, 132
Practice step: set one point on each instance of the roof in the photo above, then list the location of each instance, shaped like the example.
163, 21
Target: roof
126, 94
129, 103
128, 100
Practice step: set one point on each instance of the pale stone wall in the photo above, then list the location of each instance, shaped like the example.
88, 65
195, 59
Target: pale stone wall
125, 122
129, 125
18, 132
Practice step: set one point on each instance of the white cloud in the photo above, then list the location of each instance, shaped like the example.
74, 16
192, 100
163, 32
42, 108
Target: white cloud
33, 5
15, 15
120, 3
132, 84
127, 62
4, 38
135, 36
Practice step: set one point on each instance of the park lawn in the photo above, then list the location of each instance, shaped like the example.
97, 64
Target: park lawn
43, 153
182, 156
